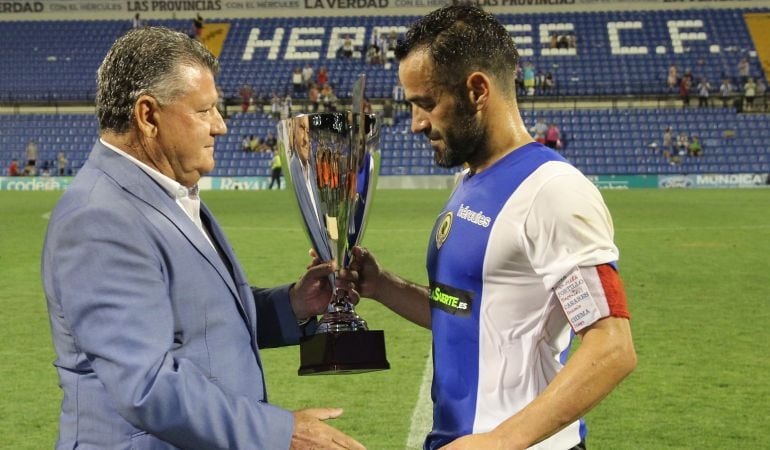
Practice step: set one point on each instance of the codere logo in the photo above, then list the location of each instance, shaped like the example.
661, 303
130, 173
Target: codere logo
452, 300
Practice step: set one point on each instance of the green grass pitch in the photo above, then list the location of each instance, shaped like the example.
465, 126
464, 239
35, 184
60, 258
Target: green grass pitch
694, 262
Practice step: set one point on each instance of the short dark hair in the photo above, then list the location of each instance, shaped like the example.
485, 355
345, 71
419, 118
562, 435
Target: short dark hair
462, 39
145, 61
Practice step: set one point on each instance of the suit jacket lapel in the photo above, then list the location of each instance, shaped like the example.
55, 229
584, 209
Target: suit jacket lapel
245, 296
135, 181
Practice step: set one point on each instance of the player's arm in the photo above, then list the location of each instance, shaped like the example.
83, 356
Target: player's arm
606, 356
407, 299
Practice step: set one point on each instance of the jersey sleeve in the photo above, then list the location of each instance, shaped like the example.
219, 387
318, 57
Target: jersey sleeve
569, 234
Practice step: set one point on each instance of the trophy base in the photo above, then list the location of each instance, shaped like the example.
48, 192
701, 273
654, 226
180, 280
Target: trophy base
342, 353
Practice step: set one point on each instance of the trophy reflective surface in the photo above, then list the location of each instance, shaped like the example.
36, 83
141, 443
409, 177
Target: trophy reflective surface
332, 162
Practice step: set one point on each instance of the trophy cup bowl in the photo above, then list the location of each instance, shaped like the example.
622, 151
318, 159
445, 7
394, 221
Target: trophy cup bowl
333, 162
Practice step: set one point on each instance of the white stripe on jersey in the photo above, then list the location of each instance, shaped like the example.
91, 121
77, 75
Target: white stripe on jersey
553, 222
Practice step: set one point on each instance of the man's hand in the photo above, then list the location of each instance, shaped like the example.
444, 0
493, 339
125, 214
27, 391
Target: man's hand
312, 293
310, 432
363, 275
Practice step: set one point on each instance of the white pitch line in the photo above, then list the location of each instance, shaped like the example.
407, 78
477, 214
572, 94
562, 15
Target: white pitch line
422, 416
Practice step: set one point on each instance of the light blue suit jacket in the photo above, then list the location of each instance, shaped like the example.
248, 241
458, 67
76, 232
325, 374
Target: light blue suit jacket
156, 340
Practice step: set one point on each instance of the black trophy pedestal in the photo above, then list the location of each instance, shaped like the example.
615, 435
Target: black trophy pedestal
342, 352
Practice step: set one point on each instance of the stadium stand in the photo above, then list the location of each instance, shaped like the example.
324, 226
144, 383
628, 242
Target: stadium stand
598, 142
616, 54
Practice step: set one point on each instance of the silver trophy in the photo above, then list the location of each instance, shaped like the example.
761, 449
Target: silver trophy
333, 162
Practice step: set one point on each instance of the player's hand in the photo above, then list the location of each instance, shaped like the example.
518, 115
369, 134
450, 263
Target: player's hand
311, 294
363, 274
310, 432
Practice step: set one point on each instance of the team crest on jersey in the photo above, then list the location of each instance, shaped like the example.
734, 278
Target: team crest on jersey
445, 224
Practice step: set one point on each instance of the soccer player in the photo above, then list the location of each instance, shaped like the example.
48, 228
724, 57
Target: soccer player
521, 258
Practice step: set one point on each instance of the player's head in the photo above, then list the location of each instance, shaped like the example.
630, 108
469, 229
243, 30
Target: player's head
460, 40
452, 62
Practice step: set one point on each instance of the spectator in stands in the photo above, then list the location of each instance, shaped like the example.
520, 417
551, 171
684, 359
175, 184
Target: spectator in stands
529, 79
704, 90
761, 94
553, 136
323, 77
387, 113
744, 70
275, 106
347, 48
245, 143
296, 81
259, 103
29, 170
695, 148
553, 41
548, 82
538, 131
399, 101
275, 171
152, 318
286, 105
307, 75
137, 21
381, 41
198, 25
672, 79
726, 91
270, 141
389, 49
685, 84
373, 55
13, 168
534, 250
245, 92
31, 153
539, 81
571, 39
563, 41
749, 92
668, 142
313, 97
253, 143
682, 147
61, 164
329, 99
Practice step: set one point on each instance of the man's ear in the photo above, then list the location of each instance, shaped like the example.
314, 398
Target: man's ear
146, 111
478, 85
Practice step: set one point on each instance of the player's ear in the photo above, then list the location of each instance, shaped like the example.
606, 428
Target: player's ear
478, 85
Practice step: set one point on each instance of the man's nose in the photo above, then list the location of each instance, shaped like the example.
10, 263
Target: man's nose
419, 121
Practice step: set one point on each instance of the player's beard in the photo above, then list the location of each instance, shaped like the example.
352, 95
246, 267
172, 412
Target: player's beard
465, 138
